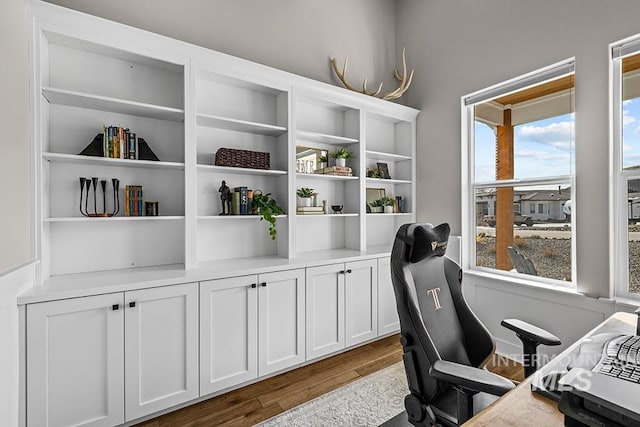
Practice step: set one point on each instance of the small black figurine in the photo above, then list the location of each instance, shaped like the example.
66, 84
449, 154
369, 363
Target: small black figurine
225, 198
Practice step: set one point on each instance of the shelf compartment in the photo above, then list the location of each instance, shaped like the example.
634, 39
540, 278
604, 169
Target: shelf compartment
114, 105
343, 215
387, 181
391, 157
239, 125
377, 215
329, 177
232, 217
115, 218
240, 171
107, 161
322, 138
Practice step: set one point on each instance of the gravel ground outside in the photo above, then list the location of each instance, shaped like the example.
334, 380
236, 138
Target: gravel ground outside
551, 257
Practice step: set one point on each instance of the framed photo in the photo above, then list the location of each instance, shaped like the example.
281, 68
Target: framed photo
375, 194
382, 167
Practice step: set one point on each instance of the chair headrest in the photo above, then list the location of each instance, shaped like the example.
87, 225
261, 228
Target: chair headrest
423, 241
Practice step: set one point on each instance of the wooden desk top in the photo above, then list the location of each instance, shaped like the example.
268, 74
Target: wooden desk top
523, 407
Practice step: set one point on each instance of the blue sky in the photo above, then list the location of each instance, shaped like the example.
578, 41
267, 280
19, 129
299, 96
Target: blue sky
631, 132
542, 148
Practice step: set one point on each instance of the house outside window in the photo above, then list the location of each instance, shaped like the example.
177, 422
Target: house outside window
626, 166
518, 145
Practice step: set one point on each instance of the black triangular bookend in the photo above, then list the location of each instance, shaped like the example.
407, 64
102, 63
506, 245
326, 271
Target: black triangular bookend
95, 149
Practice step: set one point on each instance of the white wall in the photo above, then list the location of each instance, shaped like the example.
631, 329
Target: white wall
292, 35
15, 171
15, 194
463, 46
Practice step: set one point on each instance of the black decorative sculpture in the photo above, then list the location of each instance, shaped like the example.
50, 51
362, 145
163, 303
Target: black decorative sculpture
225, 198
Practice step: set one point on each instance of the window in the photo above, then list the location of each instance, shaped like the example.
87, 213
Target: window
626, 149
518, 141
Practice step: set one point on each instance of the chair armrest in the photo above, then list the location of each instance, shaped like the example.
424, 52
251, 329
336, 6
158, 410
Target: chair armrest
530, 332
470, 378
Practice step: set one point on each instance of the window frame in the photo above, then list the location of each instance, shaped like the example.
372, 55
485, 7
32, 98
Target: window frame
618, 208
469, 186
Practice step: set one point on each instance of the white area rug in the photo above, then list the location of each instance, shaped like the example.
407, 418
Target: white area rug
369, 401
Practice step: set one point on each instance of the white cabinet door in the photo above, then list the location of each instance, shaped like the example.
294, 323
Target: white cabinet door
388, 321
161, 343
325, 310
75, 362
361, 301
228, 332
281, 321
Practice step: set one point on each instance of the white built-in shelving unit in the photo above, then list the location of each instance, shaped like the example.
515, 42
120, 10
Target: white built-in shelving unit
187, 103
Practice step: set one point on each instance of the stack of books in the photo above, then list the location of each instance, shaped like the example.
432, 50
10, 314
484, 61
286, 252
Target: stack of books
119, 143
310, 210
133, 200
335, 170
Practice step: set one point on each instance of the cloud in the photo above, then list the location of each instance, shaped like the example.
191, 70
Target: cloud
558, 135
627, 118
627, 102
542, 156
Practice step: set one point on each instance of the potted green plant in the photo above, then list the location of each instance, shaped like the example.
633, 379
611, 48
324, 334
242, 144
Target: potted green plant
341, 155
388, 204
304, 196
377, 206
322, 162
265, 206
375, 173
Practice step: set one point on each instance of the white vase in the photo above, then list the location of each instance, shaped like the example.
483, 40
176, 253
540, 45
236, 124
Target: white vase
376, 209
341, 162
388, 209
304, 201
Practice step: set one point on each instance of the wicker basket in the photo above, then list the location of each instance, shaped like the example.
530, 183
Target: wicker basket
242, 158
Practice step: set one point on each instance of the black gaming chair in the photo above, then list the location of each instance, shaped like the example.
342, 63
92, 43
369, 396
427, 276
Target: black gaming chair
445, 345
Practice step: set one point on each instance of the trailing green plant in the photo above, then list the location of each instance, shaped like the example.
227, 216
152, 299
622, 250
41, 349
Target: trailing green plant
304, 192
268, 209
341, 153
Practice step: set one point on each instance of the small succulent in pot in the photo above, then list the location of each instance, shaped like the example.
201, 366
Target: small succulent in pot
304, 192
341, 153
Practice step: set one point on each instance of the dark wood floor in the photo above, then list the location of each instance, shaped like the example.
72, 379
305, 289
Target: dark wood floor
257, 402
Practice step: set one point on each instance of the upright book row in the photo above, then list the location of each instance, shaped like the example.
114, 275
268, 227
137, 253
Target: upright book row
119, 143
133, 200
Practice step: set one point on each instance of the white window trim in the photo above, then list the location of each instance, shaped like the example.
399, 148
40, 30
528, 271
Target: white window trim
468, 186
618, 226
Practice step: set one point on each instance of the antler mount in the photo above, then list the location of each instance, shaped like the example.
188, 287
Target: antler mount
404, 84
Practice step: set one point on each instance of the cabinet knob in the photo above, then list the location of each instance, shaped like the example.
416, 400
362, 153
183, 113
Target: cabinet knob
349, 271
263, 284
253, 285
132, 304
341, 272
115, 307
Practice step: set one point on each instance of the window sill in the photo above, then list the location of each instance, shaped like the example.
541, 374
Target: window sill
631, 301
521, 281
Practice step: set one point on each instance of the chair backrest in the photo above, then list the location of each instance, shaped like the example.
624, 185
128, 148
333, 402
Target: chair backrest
521, 263
435, 321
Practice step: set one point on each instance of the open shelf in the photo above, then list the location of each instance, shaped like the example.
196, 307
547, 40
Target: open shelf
342, 215
116, 218
389, 214
378, 155
240, 171
239, 125
324, 138
114, 105
233, 217
387, 181
322, 176
107, 161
